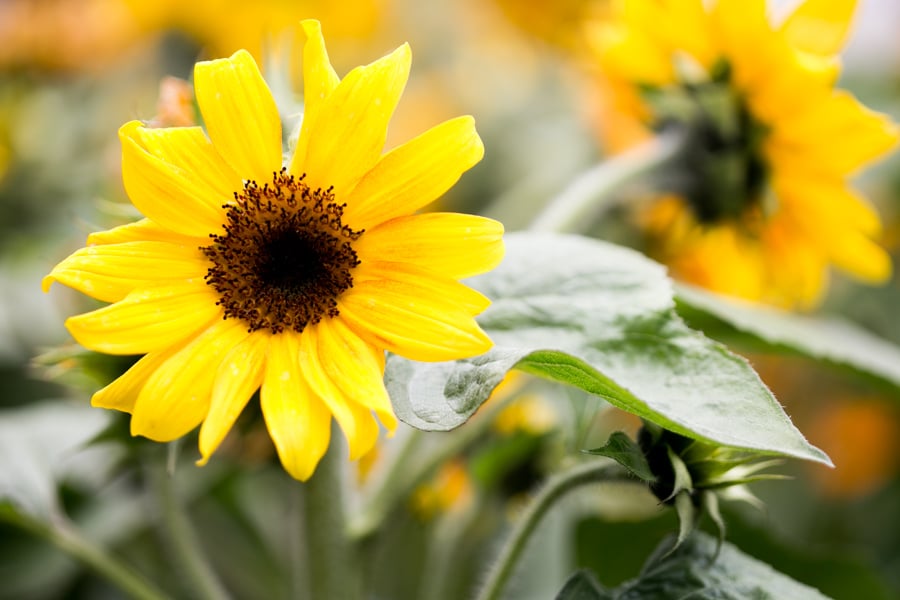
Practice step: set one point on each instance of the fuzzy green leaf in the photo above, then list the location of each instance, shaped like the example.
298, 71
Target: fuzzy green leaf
602, 318
694, 570
582, 586
42, 443
826, 339
627, 453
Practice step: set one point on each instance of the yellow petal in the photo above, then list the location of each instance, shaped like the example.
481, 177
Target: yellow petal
414, 174
686, 28
413, 314
176, 397
298, 421
238, 376
147, 319
820, 26
398, 276
240, 115
825, 204
863, 136
861, 257
357, 423
145, 230
122, 393
348, 136
633, 55
174, 177
743, 33
319, 81
356, 367
454, 245
111, 272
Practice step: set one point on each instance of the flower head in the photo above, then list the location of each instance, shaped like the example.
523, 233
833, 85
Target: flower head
767, 208
288, 271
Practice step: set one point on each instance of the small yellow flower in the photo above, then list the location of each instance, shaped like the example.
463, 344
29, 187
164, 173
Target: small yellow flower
774, 209
289, 270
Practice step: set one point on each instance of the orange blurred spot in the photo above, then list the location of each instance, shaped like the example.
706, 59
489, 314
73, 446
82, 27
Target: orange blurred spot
863, 439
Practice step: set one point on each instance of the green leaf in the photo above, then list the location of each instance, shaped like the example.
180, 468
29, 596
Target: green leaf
42, 443
602, 318
627, 453
694, 571
582, 586
825, 339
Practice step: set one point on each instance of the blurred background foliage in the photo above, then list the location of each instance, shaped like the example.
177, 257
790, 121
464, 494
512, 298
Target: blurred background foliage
72, 71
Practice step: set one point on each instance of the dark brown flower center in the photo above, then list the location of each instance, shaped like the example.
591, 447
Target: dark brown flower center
285, 256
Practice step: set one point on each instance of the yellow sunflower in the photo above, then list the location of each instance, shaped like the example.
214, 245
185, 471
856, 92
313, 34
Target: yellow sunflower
768, 208
288, 270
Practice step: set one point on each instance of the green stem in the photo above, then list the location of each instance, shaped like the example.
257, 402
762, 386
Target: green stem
331, 566
405, 475
577, 208
181, 536
67, 538
555, 488
390, 489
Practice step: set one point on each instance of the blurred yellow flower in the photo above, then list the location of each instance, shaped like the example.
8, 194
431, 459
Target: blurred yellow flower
769, 208
223, 26
294, 280
450, 489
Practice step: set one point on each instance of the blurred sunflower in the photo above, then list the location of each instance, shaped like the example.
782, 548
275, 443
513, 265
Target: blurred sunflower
294, 280
767, 207
223, 26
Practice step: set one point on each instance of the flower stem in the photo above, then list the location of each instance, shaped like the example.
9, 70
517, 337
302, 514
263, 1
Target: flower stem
577, 208
406, 474
556, 487
181, 536
67, 538
331, 566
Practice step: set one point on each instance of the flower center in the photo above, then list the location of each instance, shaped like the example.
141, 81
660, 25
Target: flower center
285, 256
724, 162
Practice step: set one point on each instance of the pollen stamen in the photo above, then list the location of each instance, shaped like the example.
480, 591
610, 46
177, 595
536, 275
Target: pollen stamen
285, 256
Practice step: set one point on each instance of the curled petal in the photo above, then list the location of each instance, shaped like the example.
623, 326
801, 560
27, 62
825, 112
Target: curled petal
240, 115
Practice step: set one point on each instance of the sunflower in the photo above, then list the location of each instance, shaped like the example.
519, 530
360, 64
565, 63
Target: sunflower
767, 208
288, 272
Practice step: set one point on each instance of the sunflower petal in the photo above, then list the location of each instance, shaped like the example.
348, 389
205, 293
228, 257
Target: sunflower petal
123, 392
147, 319
358, 424
298, 421
176, 397
454, 245
348, 136
174, 177
820, 26
356, 367
864, 134
396, 276
239, 375
111, 272
319, 81
414, 315
145, 230
415, 174
240, 115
